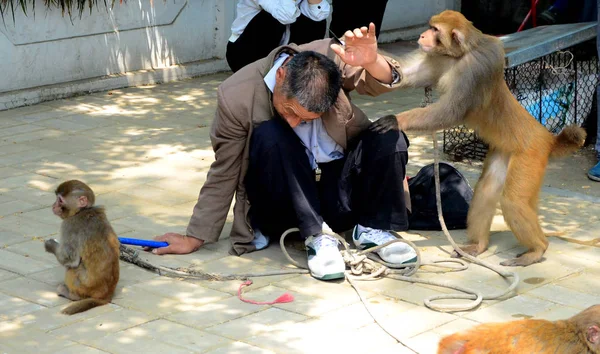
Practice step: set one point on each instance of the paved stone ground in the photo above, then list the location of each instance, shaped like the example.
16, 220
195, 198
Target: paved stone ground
146, 151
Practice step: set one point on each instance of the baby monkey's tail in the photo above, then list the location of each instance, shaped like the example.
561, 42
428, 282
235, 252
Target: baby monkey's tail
83, 305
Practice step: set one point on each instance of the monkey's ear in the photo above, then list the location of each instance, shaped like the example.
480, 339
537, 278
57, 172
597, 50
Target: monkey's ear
593, 334
458, 36
82, 201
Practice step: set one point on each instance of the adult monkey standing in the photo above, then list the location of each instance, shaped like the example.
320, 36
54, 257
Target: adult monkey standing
467, 67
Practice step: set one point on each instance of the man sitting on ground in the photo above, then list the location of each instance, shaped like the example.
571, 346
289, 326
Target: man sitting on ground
296, 152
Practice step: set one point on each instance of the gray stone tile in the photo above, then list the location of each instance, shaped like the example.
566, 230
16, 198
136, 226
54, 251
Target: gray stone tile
21, 265
131, 274
10, 171
33, 291
123, 343
18, 159
48, 319
30, 340
415, 321
52, 276
35, 196
178, 335
518, 307
33, 249
565, 296
11, 307
586, 281
29, 180
8, 238
141, 300
18, 129
239, 348
44, 215
215, 313
79, 349
6, 275
100, 326
558, 313
264, 321
303, 304
187, 295
19, 225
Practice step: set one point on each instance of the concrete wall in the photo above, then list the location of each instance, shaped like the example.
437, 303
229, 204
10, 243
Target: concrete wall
407, 19
50, 56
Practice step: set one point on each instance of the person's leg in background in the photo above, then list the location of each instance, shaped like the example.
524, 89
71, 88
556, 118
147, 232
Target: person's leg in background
351, 14
306, 30
262, 34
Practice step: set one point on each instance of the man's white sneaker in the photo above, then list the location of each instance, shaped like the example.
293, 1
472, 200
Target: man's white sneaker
396, 253
324, 259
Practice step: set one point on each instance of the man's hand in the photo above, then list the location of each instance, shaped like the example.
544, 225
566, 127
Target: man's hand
360, 48
178, 244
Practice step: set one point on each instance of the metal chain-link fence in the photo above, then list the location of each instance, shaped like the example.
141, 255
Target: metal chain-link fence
556, 89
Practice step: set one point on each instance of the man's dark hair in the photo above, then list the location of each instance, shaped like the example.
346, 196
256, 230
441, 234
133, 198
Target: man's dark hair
314, 80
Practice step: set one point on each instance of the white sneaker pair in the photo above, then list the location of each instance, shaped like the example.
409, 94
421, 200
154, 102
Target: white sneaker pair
326, 263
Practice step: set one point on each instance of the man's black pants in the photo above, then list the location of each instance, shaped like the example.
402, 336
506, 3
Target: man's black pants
263, 34
365, 187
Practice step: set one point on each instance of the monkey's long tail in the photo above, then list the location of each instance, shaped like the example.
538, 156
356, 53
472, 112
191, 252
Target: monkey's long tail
83, 305
570, 139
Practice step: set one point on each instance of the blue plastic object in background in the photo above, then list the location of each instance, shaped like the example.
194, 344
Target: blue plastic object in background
143, 243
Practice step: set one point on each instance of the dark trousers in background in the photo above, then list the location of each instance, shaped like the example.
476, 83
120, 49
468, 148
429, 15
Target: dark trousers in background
351, 14
364, 187
264, 33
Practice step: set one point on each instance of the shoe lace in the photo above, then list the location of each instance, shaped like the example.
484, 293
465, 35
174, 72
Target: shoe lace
379, 236
325, 241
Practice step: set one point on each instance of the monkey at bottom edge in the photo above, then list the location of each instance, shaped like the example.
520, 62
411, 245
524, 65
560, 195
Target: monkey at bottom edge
579, 334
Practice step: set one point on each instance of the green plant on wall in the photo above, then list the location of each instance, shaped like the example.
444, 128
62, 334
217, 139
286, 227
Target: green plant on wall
66, 6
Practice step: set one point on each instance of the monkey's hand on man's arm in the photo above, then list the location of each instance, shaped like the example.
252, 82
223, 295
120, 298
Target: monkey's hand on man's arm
178, 244
384, 124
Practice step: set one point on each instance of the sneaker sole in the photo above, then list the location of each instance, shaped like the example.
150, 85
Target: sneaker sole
329, 276
593, 178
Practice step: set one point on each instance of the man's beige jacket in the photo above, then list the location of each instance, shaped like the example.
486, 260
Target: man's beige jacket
244, 101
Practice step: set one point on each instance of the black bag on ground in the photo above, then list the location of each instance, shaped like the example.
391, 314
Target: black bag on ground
456, 196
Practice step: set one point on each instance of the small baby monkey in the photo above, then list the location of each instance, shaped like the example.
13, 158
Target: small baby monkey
88, 248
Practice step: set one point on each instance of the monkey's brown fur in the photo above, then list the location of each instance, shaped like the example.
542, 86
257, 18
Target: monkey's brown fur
579, 334
467, 67
88, 248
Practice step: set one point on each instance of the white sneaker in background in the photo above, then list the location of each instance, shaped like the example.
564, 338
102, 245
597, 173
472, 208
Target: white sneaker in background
396, 253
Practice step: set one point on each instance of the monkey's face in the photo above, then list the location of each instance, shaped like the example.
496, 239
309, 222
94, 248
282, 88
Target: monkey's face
441, 39
68, 206
60, 207
429, 39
